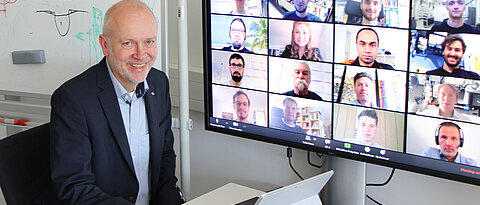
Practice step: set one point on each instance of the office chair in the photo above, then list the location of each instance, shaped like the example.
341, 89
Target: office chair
352, 9
25, 165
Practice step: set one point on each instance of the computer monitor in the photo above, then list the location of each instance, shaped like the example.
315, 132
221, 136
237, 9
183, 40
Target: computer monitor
377, 89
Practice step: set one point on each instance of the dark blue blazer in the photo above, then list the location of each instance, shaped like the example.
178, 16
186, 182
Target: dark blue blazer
90, 156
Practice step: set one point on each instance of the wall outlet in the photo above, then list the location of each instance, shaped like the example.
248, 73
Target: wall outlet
190, 124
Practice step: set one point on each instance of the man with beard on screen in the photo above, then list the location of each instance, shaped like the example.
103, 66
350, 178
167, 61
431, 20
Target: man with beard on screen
300, 12
367, 44
236, 67
449, 138
453, 48
241, 105
370, 12
301, 81
238, 35
364, 89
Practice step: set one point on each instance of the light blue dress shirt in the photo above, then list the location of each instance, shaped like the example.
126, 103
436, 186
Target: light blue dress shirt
135, 121
355, 102
436, 153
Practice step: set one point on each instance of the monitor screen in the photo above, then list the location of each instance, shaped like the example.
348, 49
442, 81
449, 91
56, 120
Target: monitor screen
394, 83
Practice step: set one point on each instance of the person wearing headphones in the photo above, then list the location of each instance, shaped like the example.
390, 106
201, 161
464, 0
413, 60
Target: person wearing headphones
449, 136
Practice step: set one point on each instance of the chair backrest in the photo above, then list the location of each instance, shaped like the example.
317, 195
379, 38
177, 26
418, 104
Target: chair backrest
352, 9
25, 165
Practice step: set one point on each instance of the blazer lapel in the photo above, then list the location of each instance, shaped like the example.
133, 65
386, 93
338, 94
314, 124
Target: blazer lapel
155, 115
109, 102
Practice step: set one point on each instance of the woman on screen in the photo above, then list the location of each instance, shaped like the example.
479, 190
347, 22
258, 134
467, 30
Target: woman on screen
301, 43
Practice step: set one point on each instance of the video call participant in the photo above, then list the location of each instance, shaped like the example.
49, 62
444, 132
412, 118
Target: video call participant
447, 97
454, 23
301, 45
301, 81
240, 8
236, 67
366, 129
300, 12
238, 36
101, 151
453, 48
289, 117
241, 105
363, 87
367, 49
449, 137
370, 12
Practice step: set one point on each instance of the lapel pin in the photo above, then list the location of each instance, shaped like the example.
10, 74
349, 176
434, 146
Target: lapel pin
152, 93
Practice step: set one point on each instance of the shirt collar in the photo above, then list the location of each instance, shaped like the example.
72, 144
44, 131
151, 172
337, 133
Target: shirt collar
453, 113
375, 63
120, 91
457, 158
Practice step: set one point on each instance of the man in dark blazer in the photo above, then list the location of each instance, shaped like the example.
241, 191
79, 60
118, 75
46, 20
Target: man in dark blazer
97, 155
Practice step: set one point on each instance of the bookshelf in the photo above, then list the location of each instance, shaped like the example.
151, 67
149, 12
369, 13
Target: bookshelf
311, 121
391, 16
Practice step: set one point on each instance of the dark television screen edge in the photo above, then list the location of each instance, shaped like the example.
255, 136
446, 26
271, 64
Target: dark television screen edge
268, 139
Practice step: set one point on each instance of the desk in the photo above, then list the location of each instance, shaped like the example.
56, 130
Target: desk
227, 194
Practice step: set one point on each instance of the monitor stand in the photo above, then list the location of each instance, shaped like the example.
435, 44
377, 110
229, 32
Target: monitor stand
347, 186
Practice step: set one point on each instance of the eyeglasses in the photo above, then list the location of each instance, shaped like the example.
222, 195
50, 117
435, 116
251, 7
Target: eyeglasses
245, 104
236, 65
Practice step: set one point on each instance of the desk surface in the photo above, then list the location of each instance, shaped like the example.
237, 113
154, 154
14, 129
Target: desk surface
227, 194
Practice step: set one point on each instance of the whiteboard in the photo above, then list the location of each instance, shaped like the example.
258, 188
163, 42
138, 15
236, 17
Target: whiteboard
67, 30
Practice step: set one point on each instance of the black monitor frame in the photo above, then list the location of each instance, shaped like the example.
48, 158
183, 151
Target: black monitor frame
396, 159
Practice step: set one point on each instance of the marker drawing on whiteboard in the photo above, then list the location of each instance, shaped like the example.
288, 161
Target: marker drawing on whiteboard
62, 21
95, 54
4, 4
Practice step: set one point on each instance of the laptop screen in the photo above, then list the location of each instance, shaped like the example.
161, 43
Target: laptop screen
296, 192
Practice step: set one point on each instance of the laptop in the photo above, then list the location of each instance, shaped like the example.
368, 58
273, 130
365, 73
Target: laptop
302, 192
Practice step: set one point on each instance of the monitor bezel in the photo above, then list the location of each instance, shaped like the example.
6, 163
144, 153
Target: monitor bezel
208, 99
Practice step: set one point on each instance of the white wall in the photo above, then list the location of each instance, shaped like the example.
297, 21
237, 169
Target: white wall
218, 159
23, 27
411, 188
